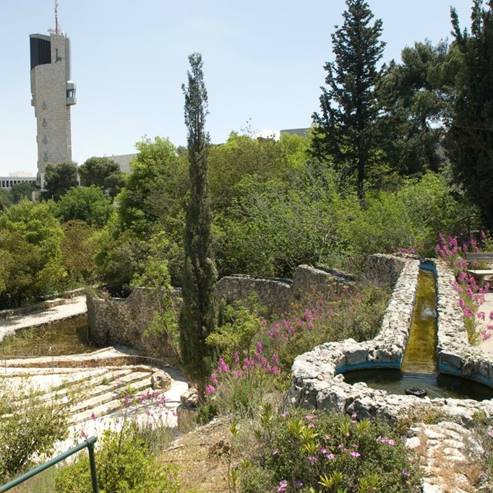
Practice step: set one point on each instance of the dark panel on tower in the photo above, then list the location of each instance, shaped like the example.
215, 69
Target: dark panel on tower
40, 50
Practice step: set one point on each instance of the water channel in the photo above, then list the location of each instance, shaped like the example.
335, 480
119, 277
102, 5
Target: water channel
419, 363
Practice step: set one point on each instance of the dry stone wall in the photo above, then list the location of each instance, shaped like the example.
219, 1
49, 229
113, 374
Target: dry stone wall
280, 295
127, 321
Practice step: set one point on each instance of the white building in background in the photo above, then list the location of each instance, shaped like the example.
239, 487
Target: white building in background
53, 94
7, 182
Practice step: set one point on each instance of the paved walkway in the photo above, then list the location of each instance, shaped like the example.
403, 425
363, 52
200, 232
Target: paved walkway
75, 306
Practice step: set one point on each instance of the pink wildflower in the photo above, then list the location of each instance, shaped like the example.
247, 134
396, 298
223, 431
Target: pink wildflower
210, 389
222, 366
355, 454
282, 487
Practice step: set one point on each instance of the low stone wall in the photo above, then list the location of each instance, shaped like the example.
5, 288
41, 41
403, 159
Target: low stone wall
127, 322
114, 321
455, 355
280, 295
318, 379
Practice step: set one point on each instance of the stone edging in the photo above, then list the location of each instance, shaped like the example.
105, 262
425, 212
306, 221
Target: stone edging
317, 375
455, 355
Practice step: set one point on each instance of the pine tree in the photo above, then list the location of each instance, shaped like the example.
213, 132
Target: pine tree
198, 315
345, 128
469, 141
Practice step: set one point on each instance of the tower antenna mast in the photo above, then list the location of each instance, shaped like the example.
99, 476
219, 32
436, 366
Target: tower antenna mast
56, 17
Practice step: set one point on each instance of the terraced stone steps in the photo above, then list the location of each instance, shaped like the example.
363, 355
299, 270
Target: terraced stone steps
113, 393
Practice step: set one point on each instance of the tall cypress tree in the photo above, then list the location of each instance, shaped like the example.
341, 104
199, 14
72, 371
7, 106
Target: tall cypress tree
198, 315
345, 128
469, 141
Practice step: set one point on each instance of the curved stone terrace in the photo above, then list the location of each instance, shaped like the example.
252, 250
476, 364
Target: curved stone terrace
318, 376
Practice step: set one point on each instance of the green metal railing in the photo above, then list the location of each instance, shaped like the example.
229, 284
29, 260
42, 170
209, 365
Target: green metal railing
89, 443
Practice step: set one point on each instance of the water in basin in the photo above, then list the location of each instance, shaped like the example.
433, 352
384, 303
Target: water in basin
436, 384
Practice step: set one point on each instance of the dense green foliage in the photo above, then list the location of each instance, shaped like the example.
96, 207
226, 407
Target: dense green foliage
21, 191
198, 314
327, 452
346, 126
414, 96
103, 173
30, 248
88, 204
470, 137
124, 464
59, 179
29, 428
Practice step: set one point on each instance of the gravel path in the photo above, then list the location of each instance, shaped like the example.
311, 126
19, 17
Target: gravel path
76, 306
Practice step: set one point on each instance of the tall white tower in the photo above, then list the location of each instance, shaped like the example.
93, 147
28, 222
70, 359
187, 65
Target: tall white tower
53, 93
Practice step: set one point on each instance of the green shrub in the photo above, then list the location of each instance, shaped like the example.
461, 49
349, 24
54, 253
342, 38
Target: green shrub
29, 428
328, 452
239, 325
255, 357
124, 464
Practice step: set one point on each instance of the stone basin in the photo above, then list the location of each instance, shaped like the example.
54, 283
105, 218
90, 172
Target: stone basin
321, 377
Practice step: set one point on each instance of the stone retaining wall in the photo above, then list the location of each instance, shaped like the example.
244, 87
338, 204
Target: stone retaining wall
279, 295
126, 321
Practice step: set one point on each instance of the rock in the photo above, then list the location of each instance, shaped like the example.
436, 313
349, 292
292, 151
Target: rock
431, 488
413, 442
160, 380
190, 399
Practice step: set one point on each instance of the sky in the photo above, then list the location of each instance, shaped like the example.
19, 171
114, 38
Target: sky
263, 64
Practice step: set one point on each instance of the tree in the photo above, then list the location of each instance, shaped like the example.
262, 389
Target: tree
21, 191
345, 128
152, 202
5, 200
198, 315
469, 140
30, 238
414, 97
60, 178
78, 250
88, 204
102, 172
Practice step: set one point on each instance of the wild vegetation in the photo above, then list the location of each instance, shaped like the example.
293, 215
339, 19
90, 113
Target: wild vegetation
398, 156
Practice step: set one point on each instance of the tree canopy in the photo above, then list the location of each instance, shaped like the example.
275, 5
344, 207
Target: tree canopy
59, 179
345, 129
102, 172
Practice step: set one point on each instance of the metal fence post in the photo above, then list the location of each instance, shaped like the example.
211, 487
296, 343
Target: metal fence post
92, 463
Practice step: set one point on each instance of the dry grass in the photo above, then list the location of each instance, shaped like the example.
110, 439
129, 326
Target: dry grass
204, 457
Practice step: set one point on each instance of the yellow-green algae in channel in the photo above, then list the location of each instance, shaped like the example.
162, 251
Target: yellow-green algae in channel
420, 354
